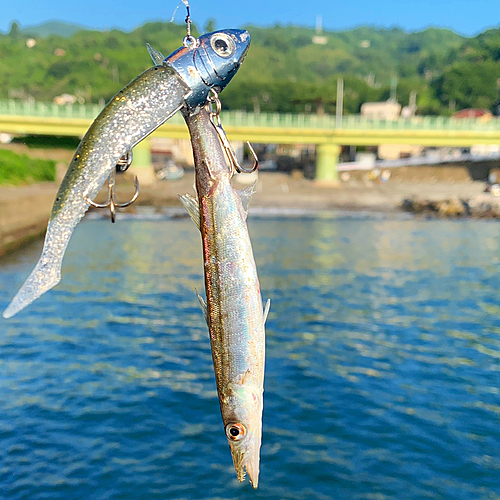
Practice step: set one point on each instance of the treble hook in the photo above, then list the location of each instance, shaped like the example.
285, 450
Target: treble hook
111, 201
231, 155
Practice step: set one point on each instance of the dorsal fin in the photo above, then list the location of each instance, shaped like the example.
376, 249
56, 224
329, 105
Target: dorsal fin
246, 196
191, 205
156, 55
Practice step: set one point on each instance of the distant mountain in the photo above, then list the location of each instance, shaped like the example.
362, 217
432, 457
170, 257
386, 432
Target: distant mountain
378, 53
288, 68
58, 28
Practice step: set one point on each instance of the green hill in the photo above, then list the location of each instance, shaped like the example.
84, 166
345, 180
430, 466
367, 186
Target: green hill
57, 28
284, 70
471, 75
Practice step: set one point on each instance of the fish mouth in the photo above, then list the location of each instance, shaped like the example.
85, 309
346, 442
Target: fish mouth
252, 466
244, 54
245, 51
247, 460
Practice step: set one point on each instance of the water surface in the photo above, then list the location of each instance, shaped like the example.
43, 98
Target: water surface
382, 376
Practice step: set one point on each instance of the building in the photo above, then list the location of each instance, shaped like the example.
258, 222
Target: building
388, 110
472, 113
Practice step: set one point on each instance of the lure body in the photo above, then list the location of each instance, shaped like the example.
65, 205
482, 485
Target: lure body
134, 113
125, 121
233, 309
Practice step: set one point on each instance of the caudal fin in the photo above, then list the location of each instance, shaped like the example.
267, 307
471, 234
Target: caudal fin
47, 272
45, 276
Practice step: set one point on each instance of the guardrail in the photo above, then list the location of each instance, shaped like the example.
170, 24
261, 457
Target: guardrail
265, 120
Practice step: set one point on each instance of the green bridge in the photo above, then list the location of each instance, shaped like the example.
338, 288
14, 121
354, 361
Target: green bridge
24, 117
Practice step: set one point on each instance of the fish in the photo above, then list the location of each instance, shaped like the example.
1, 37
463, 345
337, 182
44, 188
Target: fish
233, 308
184, 78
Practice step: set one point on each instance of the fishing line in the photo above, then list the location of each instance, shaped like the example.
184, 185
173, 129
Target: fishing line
186, 3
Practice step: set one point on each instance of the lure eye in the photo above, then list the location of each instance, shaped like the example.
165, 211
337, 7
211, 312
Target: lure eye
235, 432
223, 45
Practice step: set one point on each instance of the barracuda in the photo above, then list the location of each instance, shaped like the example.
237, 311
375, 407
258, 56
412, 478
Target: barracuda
182, 79
233, 309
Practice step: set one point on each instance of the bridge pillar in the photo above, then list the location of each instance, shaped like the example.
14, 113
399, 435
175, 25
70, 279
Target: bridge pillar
327, 158
141, 164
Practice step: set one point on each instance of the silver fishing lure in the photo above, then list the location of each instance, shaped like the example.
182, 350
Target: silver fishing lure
183, 78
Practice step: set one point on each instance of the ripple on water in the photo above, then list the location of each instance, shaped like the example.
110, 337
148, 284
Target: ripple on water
383, 347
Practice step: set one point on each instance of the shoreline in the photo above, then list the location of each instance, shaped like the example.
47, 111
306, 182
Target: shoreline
25, 210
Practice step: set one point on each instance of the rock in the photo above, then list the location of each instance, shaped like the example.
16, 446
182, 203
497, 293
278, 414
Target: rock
485, 206
452, 208
415, 206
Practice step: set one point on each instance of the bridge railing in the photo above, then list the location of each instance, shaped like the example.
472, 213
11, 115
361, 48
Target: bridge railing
275, 120
357, 122
48, 109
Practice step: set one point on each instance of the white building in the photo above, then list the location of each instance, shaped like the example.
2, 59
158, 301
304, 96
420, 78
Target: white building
388, 110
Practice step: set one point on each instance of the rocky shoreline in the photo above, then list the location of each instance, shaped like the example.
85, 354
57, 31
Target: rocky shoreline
483, 206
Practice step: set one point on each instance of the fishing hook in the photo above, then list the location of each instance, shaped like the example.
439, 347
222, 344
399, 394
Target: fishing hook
111, 201
255, 161
213, 99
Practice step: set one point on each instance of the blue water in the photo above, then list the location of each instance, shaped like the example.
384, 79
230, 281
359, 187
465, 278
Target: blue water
382, 376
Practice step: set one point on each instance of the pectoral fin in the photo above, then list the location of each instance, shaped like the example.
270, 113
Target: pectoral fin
246, 377
191, 205
157, 56
203, 305
246, 196
266, 311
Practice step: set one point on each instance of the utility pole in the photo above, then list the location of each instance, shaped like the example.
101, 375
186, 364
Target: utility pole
339, 108
319, 25
394, 89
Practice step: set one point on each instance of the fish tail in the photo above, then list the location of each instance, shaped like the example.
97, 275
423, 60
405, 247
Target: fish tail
47, 272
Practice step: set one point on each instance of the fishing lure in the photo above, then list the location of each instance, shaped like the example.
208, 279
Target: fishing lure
184, 78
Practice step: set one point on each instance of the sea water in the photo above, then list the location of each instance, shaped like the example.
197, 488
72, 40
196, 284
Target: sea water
382, 375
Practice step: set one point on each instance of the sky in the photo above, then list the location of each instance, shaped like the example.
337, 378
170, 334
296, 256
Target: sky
463, 16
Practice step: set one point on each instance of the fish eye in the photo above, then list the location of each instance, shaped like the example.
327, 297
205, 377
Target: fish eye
235, 432
223, 45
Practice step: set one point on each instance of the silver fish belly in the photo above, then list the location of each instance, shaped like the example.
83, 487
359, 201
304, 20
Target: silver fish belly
233, 309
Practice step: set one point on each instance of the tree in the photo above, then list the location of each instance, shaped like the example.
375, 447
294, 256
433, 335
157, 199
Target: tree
15, 31
469, 85
210, 26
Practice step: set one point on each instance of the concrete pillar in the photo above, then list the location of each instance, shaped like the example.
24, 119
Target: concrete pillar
327, 157
141, 164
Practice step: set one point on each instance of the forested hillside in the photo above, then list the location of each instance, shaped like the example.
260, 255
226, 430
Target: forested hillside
284, 70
